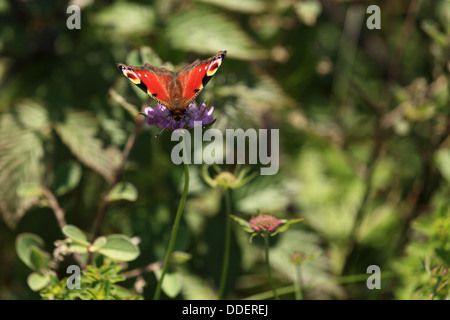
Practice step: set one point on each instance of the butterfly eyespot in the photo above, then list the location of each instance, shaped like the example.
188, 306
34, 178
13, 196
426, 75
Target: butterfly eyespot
175, 92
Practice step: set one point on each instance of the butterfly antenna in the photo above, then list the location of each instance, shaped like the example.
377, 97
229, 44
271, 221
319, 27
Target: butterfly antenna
163, 129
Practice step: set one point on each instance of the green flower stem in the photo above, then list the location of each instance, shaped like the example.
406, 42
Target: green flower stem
176, 224
269, 272
298, 283
226, 250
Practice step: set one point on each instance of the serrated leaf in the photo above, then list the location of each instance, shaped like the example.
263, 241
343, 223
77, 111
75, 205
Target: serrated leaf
24, 243
75, 234
127, 18
123, 191
78, 132
37, 281
21, 154
119, 247
204, 31
172, 283
98, 243
39, 259
266, 95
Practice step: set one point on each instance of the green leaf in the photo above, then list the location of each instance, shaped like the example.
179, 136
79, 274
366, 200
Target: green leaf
442, 159
22, 133
29, 189
172, 283
98, 243
78, 132
197, 288
123, 191
39, 259
119, 247
75, 234
286, 225
308, 11
126, 18
431, 28
24, 243
67, 177
179, 257
243, 223
247, 6
37, 281
206, 31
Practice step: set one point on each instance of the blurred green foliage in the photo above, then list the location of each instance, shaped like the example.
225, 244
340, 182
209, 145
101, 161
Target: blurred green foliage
364, 140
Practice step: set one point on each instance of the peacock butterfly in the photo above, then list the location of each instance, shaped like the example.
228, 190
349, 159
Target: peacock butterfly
174, 91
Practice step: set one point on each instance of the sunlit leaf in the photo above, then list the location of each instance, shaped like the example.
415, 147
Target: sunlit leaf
127, 18
79, 134
119, 247
308, 11
37, 281
248, 6
75, 234
243, 223
97, 244
21, 154
179, 257
197, 288
172, 283
205, 31
443, 162
286, 225
39, 258
123, 191
29, 190
24, 243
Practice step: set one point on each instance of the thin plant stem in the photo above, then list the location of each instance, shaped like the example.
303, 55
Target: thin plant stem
176, 223
436, 287
298, 283
226, 250
269, 272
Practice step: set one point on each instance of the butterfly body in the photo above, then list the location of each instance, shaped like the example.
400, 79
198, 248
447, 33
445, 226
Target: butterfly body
174, 91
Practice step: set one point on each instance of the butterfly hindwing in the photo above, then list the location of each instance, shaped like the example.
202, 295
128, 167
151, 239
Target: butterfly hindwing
174, 92
194, 77
156, 82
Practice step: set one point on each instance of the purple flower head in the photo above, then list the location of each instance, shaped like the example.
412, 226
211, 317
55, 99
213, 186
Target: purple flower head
161, 117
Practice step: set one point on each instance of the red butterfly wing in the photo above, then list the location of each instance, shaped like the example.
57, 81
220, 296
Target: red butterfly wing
194, 77
174, 92
158, 83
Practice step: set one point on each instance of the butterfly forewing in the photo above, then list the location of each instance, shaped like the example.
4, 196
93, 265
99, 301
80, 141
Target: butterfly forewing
156, 82
174, 92
195, 76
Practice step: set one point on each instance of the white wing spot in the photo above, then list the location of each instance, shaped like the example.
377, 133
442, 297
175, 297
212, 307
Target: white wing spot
139, 75
146, 76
